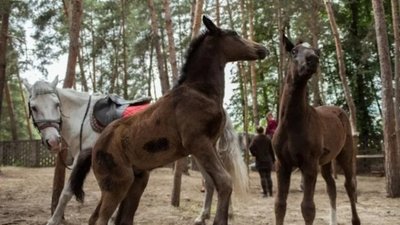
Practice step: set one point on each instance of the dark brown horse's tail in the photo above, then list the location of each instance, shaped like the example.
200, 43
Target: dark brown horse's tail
79, 173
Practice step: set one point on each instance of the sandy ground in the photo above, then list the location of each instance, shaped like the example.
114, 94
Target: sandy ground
25, 196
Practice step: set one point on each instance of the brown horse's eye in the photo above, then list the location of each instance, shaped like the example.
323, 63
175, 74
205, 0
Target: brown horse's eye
34, 108
294, 52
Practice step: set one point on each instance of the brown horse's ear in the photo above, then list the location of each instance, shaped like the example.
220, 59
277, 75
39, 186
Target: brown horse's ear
287, 43
210, 25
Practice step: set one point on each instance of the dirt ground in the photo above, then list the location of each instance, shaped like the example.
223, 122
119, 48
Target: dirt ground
25, 196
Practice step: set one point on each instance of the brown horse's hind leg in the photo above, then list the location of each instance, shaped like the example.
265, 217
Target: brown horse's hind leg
114, 187
95, 215
345, 160
307, 205
283, 181
129, 205
208, 158
326, 171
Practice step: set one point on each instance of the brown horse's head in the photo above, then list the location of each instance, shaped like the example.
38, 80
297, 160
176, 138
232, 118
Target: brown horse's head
233, 46
305, 59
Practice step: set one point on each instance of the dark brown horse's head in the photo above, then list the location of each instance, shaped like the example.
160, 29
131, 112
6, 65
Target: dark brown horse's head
233, 46
305, 59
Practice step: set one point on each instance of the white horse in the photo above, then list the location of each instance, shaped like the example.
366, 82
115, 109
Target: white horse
65, 114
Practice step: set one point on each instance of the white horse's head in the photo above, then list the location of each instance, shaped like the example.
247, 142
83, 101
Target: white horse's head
44, 108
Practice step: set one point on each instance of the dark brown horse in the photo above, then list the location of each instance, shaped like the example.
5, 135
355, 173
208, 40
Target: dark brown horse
309, 137
187, 120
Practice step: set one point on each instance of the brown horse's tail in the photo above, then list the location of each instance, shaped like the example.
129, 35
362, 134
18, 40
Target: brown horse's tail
79, 173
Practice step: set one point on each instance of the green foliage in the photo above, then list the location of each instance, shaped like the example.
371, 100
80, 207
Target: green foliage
103, 43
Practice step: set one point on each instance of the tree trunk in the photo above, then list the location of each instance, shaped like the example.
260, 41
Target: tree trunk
315, 27
198, 12
11, 113
181, 164
75, 20
243, 75
93, 55
59, 177
396, 31
282, 52
171, 42
253, 72
28, 122
156, 39
164, 51
82, 71
124, 7
150, 75
392, 168
230, 16
346, 89
217, 13
5, 15
342, 69
114, 58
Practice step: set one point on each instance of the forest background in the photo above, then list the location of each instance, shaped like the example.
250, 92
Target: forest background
125, 48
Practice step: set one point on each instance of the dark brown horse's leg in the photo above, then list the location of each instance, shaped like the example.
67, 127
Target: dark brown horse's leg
114, 184
110, 200
208, 196
207, 157
283, 183
345, 160
309, 173
326, 171
129, 205
95, 215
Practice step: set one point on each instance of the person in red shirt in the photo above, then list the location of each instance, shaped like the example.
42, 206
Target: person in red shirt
271, 125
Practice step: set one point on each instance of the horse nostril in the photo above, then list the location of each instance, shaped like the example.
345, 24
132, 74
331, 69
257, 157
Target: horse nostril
47, 142
312, 60
262, 52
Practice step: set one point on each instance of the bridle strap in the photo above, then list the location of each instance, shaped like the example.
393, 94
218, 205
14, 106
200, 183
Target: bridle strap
41, 125
83, 121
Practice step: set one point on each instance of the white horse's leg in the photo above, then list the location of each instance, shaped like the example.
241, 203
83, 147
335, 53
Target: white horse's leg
65, 197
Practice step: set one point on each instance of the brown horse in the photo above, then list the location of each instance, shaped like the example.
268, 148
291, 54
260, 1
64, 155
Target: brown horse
187, 120
309, 137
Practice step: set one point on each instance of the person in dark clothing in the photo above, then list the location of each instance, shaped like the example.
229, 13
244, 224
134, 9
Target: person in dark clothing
261, 149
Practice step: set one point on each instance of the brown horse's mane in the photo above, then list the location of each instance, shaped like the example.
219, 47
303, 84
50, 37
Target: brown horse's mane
193, 46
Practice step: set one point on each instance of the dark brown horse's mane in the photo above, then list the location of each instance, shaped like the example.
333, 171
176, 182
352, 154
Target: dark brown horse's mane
193, 46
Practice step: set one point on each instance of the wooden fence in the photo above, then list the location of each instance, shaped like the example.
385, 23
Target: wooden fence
28, 153
31, 153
